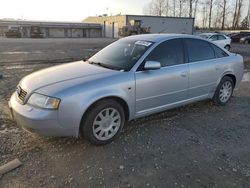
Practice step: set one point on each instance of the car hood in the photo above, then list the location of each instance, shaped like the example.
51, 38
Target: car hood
61, 73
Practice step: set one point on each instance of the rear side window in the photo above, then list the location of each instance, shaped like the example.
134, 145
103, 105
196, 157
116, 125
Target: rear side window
221, 37
219, 53
168, 53
199, 50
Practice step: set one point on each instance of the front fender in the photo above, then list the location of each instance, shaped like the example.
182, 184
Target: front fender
78, 100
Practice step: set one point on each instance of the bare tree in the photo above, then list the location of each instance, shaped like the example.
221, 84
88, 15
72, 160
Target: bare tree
195, 7
181, 2
156, 8
210, 13
167, 7
248, 13
174, 7
205, 12
181, 7
237, 13
217, 17
190, 2
204, 15
224, 13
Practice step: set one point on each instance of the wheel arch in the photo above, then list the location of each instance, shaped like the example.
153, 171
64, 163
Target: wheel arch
232, 76
228, 73
118, 99
228, 46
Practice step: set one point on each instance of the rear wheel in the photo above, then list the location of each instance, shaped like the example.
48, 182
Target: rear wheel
246, 42
103, 122
224, 91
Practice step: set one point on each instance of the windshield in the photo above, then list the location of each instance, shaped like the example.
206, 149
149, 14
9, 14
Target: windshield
121, 55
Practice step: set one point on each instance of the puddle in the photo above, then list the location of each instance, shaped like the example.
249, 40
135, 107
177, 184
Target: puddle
246, 77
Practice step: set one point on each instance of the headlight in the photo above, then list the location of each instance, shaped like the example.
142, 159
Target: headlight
43, 101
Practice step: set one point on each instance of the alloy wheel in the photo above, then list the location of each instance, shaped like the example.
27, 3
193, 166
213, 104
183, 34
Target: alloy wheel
106, 124
225, 91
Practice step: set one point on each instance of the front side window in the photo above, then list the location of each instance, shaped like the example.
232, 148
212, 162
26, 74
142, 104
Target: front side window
214, 37
168, 53
121, 55
199, 50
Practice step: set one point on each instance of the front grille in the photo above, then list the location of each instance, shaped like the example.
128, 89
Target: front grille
21, 93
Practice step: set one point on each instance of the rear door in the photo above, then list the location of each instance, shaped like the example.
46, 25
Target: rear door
157, 89
223, 41
205, 69
219, 40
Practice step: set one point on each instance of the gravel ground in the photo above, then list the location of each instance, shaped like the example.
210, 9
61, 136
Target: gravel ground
199, 145
243, 49
49, 50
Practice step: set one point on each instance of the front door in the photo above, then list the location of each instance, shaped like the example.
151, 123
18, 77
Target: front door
158, 89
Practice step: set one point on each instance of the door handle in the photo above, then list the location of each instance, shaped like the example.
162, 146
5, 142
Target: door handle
184, 74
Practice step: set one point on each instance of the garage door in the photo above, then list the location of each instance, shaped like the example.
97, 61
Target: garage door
108, 30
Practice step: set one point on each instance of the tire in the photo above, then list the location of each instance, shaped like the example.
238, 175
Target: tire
227, 47
223, 91
103, 122
246, 42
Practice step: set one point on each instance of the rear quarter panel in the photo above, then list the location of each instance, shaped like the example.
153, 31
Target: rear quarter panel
233, 64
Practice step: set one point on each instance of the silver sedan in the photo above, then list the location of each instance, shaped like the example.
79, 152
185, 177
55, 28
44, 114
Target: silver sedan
131, 78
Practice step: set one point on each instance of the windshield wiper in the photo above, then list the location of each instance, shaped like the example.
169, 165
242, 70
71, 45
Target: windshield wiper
104, 65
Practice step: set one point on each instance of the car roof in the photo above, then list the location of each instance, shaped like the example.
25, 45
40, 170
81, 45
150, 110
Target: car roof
210, 34
157, 37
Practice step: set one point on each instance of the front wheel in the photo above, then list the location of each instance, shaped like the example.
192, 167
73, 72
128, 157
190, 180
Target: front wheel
227, 47
224, 91
103, 122
246, 42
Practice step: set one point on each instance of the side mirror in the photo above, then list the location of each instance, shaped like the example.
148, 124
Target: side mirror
152, 65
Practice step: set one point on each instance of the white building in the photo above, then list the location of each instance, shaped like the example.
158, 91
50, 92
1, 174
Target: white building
52, 29
157, 24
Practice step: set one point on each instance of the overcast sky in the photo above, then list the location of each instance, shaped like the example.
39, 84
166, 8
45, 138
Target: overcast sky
67, 10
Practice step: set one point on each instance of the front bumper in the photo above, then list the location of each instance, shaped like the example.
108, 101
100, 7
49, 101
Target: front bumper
36, 120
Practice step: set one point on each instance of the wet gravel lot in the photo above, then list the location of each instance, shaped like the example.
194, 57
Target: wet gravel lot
199, 145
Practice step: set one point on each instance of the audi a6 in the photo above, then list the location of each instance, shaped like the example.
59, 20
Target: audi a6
131, 78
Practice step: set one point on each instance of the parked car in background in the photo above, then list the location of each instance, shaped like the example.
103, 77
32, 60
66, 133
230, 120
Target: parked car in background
133, 77
238, 36
245, 40
219, 39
